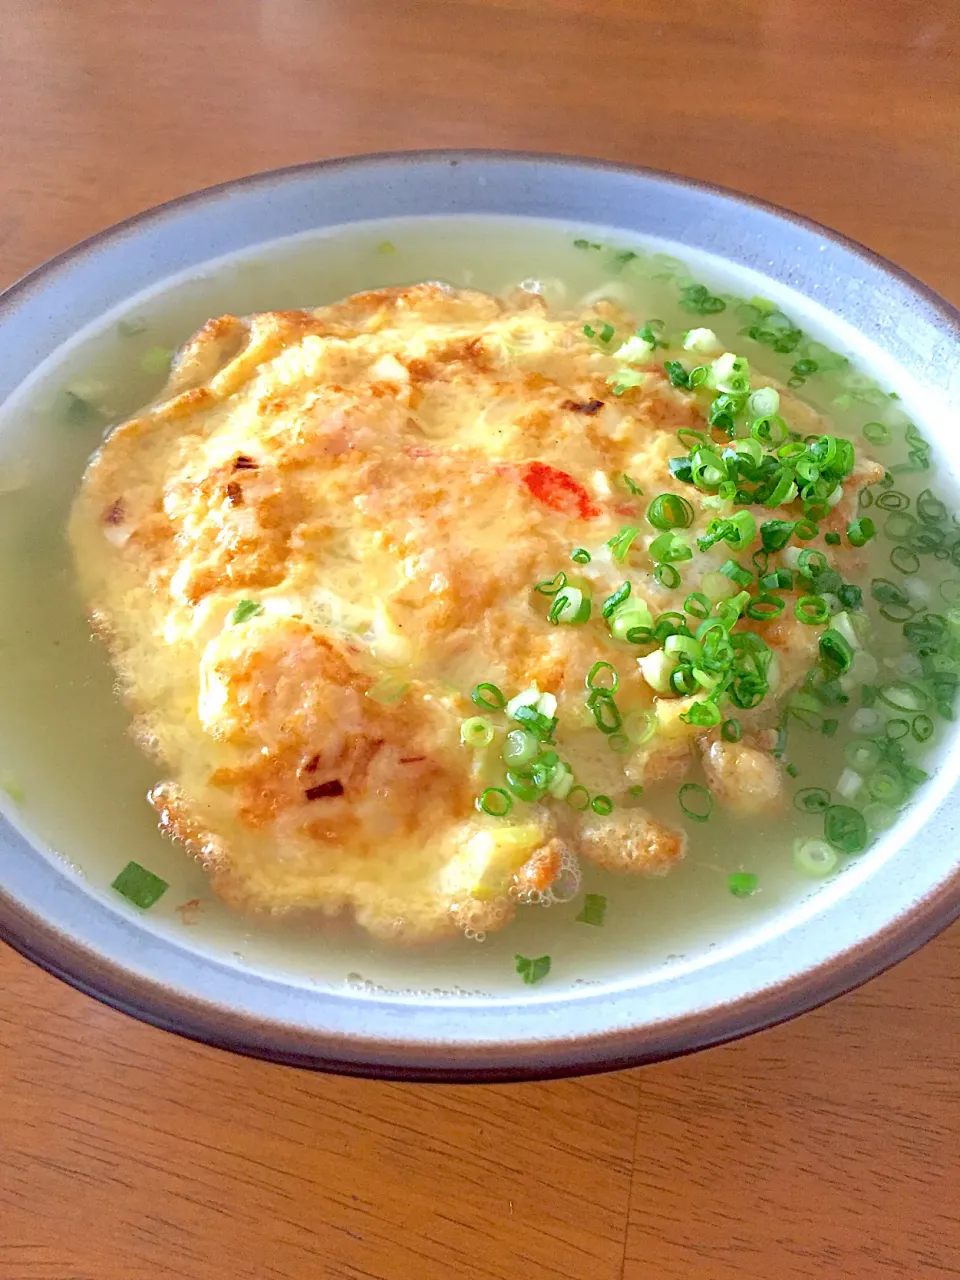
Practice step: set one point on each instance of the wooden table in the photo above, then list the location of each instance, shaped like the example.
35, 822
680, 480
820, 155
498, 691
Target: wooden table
827, 1148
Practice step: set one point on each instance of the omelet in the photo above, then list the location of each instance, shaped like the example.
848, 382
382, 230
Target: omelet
354, 568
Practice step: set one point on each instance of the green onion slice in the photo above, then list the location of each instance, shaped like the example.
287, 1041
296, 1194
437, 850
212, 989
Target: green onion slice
743, 884
245, 610
534, 970
598, 681
621, 542
494, 801
552, 585
578, 798
904, 696
488, 696
844, 827
731, 731
670, 511
476, 732
814, 857
139, 886
594, 910
811, 800
695, 801
813, 610
618, 597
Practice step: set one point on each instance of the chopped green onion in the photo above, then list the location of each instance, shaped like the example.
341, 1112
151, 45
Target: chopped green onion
731, 731
594, 910
476, 732
832, 539
669, 548
778, 580
703, 714
540, 725
245, 610
599, 682
736, 573
570, 607
813, 610
805, 530
667, 576
606, 714
620, 543
903, 696
904, 560
814, 857
580, 555
519, 748
811, 564
618, 597
829, 728
845, 828
551, 586
765, 608
639, 726
893, 500
775, 534
886, 786
139, 886
695, 801
631, 486
922, 727
669, 511
488, 696
877, 433
811, 800
835, 650
634, 624
524, 786
602, 805
929, 508
574, 797
532, 971
743, 532
742, 884
850, 597
697, 605
495, 802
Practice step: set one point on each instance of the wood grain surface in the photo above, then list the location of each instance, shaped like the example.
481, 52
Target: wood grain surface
826, 1148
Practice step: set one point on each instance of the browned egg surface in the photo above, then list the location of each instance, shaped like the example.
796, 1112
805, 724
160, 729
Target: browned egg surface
379, 485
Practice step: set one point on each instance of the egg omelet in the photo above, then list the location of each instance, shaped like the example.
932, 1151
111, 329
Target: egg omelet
330, 529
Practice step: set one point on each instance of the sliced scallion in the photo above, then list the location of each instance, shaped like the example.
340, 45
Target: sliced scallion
476, 732
139, 886
695, 801
743, 884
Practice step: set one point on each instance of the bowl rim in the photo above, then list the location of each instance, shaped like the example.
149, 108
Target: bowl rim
191, 1016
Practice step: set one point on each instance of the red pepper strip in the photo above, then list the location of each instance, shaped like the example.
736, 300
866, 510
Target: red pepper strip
560, 492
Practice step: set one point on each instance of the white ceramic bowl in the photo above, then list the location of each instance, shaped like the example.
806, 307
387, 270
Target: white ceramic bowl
894, 899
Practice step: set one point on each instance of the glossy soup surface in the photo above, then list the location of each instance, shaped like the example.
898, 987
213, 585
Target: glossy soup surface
75, 781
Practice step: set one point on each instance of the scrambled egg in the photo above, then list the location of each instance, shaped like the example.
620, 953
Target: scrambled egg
326, 532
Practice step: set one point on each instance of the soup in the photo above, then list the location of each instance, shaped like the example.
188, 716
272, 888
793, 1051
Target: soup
81, 787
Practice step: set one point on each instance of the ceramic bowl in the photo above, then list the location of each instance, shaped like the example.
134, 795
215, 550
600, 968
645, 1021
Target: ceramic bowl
896, 897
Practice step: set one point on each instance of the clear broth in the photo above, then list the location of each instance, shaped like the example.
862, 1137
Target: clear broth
76, 781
